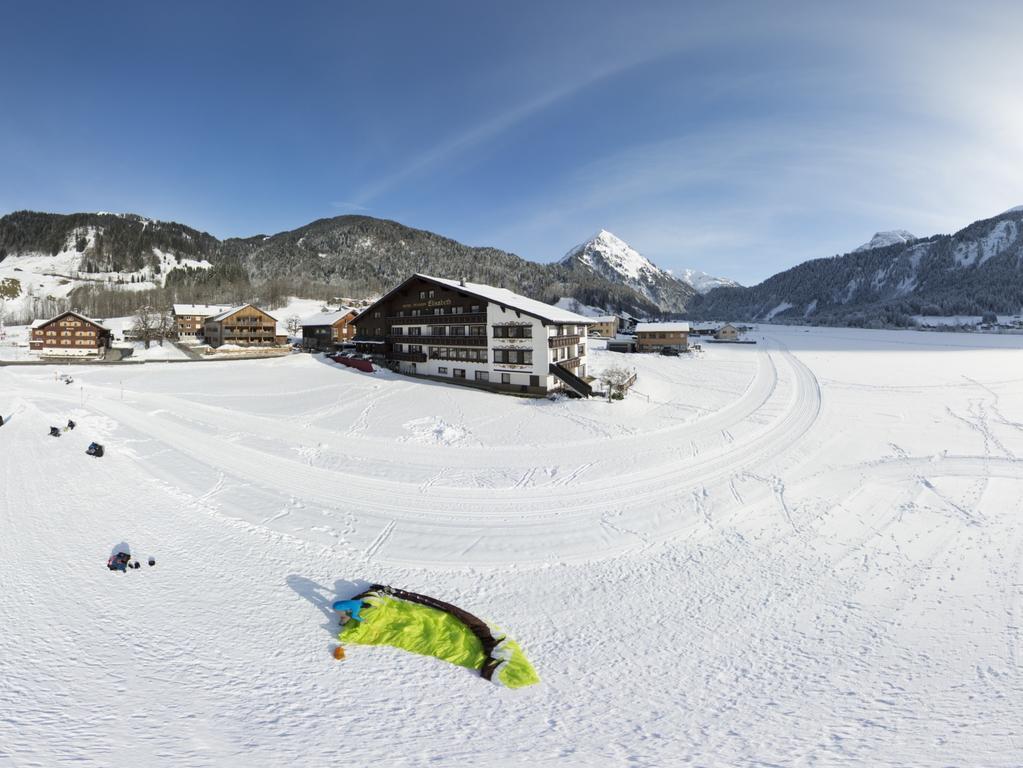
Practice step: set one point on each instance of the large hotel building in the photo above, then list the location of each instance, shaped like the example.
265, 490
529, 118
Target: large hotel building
477, 334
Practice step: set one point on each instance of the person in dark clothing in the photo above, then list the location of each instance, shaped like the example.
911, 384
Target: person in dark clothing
54, 432
119, 562
70, 424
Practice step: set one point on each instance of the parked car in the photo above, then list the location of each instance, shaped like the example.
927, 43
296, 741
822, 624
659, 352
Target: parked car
669, 352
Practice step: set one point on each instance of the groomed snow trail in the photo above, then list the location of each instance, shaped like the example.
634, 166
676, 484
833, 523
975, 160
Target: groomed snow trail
808, 552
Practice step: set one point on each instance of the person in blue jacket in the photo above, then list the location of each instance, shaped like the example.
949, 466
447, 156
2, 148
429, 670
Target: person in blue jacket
350, 608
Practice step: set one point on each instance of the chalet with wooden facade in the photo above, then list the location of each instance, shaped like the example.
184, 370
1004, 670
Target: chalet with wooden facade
655, 337
469, 333
606, 327
327, 330
69, 334
727, 332
190, 319
244, 326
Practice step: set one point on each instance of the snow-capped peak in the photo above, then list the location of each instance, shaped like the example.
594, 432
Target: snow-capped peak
702, 282
609, 256
615, 253
1014, 209
890, 237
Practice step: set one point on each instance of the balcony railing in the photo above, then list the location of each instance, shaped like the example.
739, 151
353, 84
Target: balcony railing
441, 341
562, 341
572, 362
466, 318
412, 357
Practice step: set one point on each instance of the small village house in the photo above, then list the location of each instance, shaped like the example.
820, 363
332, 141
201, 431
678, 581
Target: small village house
190, 319
479, 335
727, 332
606, 327
325, 331
655, 337
244, 326
69, 334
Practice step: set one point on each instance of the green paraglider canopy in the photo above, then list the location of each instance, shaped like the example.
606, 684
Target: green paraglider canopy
429, 627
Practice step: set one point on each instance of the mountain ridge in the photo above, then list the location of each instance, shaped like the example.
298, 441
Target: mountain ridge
975, 270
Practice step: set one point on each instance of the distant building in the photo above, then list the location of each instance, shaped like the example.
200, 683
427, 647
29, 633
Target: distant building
653, 337
190, 318
621, 344
326, 330
69, 334
606, 327
727, 332
244, 326
469, 333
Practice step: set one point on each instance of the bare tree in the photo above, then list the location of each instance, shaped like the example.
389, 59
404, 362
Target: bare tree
146, 325
294, 325
617, 379
168, 326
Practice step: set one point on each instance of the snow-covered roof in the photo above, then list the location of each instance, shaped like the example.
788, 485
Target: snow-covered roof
662, 328
45, 320
231, 310
327, 318
604, 319
205, 310
513, 300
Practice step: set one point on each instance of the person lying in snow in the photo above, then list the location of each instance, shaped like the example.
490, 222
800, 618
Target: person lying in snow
120, 561
349, 609
54, 432
70, 424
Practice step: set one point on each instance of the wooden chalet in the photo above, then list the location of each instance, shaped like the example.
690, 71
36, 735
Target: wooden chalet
69, 334
326, 330
244, 326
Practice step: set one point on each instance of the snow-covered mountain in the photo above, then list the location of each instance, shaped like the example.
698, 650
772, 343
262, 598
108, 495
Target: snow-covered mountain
978, 269
884, 239
702, 282
613, 259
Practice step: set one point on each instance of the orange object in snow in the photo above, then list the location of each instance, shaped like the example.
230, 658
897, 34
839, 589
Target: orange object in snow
339, 653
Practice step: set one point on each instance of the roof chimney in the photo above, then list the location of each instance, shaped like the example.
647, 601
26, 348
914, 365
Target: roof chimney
462, 282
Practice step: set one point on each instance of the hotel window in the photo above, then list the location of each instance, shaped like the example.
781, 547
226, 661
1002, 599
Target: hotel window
415, 347
477, 330
459, 373
482, 376
514, 356
415, 313
415, 330
506, 378
437, 310
513, 332
377, 313
457, 310
431, 294
422, 294
438, 330
443, 371
475, 308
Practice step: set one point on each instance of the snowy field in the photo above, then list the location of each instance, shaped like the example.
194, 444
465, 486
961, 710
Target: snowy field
803, 552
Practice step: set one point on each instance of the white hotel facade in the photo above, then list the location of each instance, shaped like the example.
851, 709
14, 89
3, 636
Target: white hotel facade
477, 334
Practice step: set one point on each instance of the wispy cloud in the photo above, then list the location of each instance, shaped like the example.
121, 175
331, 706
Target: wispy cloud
345, 205
496, 125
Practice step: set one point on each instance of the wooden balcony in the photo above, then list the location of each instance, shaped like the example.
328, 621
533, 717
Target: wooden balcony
572, 362
562, 341
411, 357
466, 318
440, 341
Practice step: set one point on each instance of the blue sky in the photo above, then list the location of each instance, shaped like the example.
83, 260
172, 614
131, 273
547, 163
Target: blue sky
739, 139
